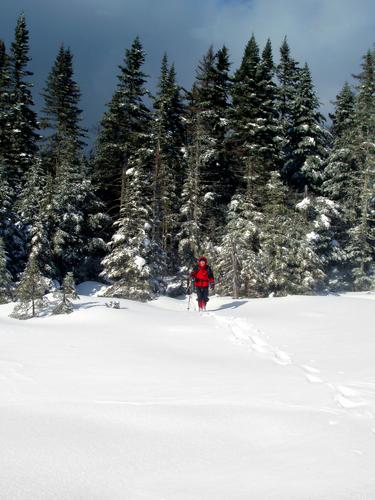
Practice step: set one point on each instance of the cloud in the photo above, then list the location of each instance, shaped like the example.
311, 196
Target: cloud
330, 35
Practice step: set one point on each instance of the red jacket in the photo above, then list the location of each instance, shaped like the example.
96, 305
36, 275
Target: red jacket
202, 276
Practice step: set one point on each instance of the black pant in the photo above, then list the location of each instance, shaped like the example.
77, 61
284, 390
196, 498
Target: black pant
202, 292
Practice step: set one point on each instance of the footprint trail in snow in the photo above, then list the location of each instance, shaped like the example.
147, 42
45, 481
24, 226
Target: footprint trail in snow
356, 399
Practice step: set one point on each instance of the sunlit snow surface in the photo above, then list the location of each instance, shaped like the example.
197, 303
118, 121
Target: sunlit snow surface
264, 399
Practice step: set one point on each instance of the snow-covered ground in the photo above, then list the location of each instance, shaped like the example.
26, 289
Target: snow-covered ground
267, 399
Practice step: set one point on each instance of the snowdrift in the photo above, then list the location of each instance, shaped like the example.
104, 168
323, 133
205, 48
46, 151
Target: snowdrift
258, 399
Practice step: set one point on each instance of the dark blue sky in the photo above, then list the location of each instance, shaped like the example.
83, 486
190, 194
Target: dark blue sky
331, 35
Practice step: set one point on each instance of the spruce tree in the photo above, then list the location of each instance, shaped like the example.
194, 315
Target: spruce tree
61, 114
244, 115
313, 138
10, 224
239, 266
277, 246
41, 229
64, 295
74, 220
22, 118
341, 184
30, 292
134, 265
135, 262
29, 202
168, 133
287, 72
121, 130
254, 139
5, 277
209, 117
5, 94
190, 240
341, 170
270, 131
362, 234
208, 182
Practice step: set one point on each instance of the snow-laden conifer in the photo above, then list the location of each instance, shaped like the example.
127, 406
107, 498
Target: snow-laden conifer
64, 295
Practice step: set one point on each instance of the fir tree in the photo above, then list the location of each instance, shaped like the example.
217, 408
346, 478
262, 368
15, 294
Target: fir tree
362, 233
209, 117
134, 265
341, 184
168, 160
73, 219
208, 181
5, 277
122, 130
254, 143
287, 73
29, 203
22, 118
190, 241
76, 219
309, 139
61, 114
270, 131
41, 231
244, 115
30, 292
65, 294
342, 168
5, 92
10, 225
239, 266
275, 239
320, 219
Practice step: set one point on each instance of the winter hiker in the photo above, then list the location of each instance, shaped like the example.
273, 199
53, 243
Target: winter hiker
202, 278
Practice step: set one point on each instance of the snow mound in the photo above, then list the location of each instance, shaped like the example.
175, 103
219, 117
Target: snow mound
91, 288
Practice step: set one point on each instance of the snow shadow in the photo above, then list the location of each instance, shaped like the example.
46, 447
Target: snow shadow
231, 305
91, 304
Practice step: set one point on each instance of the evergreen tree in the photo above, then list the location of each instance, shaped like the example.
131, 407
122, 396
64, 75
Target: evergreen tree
209, 127
29, 202
287, 73
76, 220
168, 133
22, 118
73, 222
65, 294
277, 246
308, 139
61, 114
40, 231
122, 130
30, 292
320, 219
208, 181
341, 184
10, 225
239, 266
134, 265
362, 234
5, 92
342, 169
244, 115
5, 277
270, 131
135, 262
254, 139
190, 241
